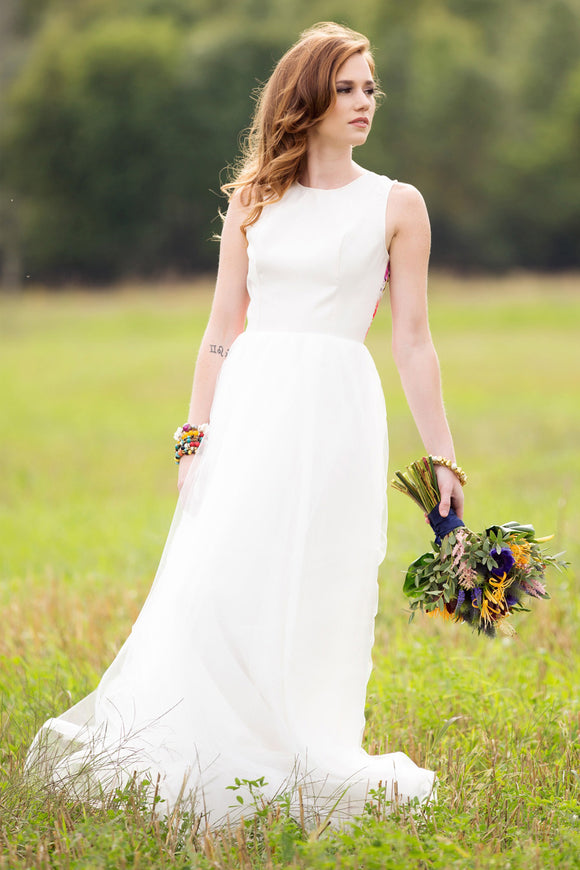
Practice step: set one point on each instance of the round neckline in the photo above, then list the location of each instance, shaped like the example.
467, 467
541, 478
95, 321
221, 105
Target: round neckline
331, 189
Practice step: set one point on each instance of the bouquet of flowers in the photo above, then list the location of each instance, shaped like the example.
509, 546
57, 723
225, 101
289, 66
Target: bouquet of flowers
478, 578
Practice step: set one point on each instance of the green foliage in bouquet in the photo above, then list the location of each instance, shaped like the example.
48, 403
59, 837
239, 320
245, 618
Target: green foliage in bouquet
478, 578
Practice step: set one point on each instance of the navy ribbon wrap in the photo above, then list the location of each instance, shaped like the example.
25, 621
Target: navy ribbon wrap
443, 525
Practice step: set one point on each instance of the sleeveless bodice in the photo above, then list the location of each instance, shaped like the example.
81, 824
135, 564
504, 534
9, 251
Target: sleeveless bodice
317, 259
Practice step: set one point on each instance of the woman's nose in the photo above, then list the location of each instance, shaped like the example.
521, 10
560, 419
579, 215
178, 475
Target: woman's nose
363, 99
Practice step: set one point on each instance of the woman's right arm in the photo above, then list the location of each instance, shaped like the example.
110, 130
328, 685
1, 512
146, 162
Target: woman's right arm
226, 320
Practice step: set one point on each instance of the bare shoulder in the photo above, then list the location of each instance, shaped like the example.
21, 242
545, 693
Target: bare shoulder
238, 206
407, 202
406, 213
235, 216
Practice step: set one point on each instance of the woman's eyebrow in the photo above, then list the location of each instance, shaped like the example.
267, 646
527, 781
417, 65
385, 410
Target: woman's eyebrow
350, 82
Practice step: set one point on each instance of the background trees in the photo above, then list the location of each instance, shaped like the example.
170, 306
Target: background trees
118, 116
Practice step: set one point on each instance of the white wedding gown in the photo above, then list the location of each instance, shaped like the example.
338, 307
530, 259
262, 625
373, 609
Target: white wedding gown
251, 655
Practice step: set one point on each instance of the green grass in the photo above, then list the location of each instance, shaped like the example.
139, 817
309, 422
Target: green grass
85, 505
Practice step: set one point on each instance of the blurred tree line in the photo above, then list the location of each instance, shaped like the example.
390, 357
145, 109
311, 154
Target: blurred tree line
118, 116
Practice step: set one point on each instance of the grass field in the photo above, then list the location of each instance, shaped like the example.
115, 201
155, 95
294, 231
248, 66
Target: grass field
85, 506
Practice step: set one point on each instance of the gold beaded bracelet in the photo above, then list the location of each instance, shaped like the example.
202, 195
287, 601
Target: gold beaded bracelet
448, 463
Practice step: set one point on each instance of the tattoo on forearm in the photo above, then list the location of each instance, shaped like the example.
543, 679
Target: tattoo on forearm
219, 349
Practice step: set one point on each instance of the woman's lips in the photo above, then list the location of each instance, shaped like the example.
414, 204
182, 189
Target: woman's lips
363, 123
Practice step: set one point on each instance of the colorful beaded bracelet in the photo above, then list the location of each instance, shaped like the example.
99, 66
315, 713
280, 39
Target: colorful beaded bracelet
188, 439
448, 463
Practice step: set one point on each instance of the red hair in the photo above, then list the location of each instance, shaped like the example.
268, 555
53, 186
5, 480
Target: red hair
295, 98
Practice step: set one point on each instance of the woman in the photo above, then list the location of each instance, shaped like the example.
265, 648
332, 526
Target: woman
251, 656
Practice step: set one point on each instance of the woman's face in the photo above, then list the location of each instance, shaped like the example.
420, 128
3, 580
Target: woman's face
349, 120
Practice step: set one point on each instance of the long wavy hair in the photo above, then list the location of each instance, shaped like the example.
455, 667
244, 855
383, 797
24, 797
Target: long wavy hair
298, 94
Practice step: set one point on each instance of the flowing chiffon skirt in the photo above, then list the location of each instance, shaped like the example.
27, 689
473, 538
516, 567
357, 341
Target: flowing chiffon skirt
251, 655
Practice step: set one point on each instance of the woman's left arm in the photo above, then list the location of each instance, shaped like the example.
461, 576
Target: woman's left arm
408, 238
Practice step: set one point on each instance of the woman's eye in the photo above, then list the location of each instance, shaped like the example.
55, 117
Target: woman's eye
346, 90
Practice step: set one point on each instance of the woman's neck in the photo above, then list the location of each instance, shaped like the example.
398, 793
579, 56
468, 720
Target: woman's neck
326, 168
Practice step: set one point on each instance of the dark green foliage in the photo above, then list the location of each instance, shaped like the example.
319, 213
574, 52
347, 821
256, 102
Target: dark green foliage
116, 133
121, 115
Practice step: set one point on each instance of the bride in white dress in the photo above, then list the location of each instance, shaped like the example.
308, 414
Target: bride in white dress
251, 655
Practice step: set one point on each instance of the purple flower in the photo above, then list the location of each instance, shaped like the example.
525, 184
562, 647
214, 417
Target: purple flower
476, 595
505, 562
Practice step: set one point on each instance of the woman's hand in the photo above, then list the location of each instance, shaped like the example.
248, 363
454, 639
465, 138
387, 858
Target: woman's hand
451, 491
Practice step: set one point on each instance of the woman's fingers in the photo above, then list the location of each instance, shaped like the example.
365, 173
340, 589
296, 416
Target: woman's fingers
451, 492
